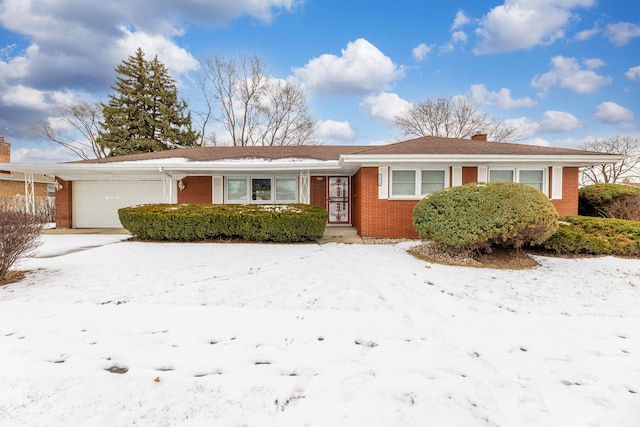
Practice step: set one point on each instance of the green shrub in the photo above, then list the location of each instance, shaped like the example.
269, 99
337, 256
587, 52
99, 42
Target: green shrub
479, 216
276, 223
596, 199
594, 236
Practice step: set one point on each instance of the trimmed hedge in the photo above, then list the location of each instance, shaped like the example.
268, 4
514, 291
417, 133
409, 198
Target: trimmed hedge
580, 235
595, 200
479, 216
190, 222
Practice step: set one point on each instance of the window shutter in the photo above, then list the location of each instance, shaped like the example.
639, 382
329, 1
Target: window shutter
556, 183
383, 183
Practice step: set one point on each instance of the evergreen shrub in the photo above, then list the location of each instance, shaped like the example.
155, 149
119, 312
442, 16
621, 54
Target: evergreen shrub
191, 222
597, 199
581, 235
480, 216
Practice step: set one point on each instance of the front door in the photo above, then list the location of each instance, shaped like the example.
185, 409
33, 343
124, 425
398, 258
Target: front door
338, 201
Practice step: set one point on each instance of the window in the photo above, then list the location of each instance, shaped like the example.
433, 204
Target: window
237, 190
497, 175
403, 183
431, 181
286, 190
534, 178
406, 184
261, 189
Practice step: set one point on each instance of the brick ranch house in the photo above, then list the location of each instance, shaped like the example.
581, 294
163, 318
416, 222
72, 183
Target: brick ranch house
372, 188
13, 183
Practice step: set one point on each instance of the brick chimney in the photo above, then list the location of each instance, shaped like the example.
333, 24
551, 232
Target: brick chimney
5, 151
479, 136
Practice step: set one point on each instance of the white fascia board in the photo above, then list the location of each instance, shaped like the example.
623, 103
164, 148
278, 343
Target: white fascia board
577, 160
161, 168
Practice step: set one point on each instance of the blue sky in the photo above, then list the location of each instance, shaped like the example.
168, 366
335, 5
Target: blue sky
561, 71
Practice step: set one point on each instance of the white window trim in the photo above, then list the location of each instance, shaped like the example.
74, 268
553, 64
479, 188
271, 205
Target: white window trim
275, 192
249, 181
516, 175
418, 182
226, 190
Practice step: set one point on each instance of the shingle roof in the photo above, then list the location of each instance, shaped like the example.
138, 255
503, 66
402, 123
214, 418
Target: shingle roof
425, 145
201, 154
437, 145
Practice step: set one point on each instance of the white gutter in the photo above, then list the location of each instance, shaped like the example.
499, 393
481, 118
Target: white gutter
567, 160
346, 163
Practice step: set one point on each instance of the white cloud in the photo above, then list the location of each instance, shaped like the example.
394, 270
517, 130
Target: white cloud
525, 127
568, 74
361, 68
501, 99
558, 122
459, 37
610, 112
384, 106
25, 97
176, 59
587, 34
446, 48
593, 63
421, 51
550, 122
460, 20
633, 73
37, 155
333, 132
622, 33
522, 24
77, 45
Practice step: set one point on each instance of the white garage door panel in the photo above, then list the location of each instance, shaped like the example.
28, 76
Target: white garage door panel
96, 203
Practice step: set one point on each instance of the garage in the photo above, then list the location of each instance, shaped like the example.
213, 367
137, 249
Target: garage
96, 203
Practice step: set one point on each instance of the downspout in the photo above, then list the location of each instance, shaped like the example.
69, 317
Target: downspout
167, 186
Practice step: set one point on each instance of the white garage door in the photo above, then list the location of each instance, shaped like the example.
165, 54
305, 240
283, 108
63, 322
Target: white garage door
96, 203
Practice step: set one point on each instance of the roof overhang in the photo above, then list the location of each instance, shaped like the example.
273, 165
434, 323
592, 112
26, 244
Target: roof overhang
158, 170
348, 164
575, 160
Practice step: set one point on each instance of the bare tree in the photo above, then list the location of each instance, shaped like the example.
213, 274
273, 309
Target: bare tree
611, 173
252, 107
19, 236
79, 130
452, 117
285, 116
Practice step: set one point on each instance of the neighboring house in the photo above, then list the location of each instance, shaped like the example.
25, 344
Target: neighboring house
372, 188
627, 181
13, 183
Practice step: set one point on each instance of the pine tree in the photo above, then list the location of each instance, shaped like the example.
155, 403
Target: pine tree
145, 114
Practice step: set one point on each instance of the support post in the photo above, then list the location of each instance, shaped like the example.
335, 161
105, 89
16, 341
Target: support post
29, 194
305, 187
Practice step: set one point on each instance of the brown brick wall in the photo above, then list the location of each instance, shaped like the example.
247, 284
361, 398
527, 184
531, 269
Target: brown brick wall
11, 188
469, 174
197, 189
569, 203
373, 217
319, 191
64, 203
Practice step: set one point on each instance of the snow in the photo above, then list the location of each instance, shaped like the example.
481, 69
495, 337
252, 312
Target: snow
239, 160
313, 335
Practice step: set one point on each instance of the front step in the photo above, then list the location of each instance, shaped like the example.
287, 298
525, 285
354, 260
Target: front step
340, 234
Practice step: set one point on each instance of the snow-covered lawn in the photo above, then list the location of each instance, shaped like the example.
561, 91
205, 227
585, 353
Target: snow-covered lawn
317, 335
